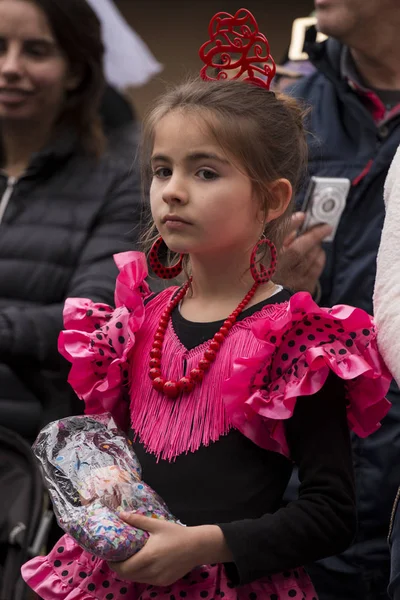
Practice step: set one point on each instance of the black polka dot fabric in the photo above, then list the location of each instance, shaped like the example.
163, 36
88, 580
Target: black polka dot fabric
109, 346
303, 343
104, 331
163, 271
89, 579
301, 337
260, 273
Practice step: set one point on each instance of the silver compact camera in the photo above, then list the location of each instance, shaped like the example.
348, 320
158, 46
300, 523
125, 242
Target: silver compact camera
324, 203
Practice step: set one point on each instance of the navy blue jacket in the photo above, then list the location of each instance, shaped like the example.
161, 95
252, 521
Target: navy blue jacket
345, 141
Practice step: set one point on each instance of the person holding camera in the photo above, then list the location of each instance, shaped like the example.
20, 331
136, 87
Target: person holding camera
354, 130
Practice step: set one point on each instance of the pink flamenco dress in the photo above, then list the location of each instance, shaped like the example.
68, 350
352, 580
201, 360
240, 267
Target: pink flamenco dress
284, 351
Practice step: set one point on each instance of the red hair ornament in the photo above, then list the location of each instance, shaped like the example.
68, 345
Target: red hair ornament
237, 50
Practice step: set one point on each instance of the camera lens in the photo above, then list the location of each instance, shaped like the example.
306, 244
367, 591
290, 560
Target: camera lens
328, 205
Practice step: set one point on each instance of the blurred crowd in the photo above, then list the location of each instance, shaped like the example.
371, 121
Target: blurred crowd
70, 198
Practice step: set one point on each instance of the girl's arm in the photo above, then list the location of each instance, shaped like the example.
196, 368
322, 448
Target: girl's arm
322, 521
387, 285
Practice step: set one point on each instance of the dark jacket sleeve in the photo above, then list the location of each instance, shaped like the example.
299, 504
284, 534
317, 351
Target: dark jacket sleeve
394, 545
32, 333
322, 521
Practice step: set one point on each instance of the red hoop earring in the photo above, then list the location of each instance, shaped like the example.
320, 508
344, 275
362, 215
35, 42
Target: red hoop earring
263, 275
159, 269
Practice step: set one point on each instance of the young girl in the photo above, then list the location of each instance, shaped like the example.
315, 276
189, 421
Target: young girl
228, 380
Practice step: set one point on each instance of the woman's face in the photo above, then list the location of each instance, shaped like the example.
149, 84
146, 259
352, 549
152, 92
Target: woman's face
34, 74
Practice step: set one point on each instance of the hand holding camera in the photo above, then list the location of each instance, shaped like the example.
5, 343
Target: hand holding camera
324, 203
302, 259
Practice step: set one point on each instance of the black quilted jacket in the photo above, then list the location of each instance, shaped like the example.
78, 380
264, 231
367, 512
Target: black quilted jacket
60, 225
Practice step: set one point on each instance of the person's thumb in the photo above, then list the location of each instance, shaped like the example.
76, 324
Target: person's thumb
141, 522
296, 222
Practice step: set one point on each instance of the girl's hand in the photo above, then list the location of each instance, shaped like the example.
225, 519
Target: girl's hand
171, 551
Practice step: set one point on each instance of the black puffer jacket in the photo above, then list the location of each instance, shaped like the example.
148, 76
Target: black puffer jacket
60, 225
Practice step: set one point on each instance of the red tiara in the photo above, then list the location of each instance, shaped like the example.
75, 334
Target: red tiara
237, 50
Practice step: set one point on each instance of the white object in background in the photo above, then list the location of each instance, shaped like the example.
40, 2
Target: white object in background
387, 284
299, 30
127, 61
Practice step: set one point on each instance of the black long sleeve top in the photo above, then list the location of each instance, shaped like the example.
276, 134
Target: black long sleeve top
238, 485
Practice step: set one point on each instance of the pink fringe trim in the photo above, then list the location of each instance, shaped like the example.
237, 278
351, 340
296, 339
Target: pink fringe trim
268, 360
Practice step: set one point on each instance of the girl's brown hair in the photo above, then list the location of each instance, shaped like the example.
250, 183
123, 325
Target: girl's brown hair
262, 130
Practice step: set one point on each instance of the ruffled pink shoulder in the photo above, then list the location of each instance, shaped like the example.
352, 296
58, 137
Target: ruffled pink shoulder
98, 339
301, 345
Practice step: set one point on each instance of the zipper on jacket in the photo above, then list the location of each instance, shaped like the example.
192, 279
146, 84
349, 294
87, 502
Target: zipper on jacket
5, 199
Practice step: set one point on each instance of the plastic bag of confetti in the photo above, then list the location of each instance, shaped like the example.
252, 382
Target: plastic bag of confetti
92, 474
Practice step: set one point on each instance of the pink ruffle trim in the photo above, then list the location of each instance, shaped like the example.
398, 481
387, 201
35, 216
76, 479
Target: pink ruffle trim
99, 339
41, 577
301, 346
70, 573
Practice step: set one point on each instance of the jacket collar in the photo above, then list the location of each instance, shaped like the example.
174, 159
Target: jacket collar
334, 60
64, 143
326, 57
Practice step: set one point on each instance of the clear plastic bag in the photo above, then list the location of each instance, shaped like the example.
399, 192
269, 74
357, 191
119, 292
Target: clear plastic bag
92, 475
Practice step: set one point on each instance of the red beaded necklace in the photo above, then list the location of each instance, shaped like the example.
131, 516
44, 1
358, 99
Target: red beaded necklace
185, 385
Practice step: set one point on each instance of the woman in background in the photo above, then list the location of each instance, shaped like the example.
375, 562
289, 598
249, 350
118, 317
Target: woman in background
65, 205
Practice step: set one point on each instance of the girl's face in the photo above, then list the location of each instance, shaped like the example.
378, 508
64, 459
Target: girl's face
200, 201
34, 74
